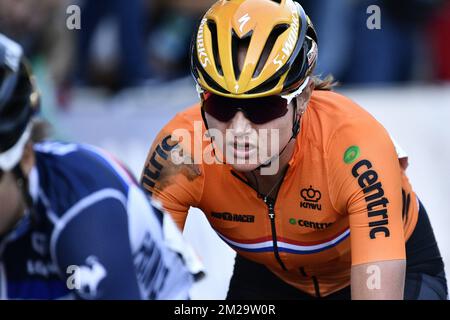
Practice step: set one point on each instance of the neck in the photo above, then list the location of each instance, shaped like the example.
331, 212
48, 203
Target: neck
269, 184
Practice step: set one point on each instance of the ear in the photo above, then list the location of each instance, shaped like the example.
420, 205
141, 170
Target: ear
304, 97
28, 158
311, 86
306, 94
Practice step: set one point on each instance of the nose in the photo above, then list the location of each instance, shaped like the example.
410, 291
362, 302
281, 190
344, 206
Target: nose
240, 124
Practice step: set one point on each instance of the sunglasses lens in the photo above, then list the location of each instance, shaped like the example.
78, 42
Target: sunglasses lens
219, 107
257, 110
262, 110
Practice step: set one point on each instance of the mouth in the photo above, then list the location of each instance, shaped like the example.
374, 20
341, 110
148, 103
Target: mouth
242, 150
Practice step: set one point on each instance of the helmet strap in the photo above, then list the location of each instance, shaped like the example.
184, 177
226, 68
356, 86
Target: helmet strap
296, 122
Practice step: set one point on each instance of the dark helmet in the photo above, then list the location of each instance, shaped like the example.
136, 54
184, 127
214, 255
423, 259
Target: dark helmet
19, 101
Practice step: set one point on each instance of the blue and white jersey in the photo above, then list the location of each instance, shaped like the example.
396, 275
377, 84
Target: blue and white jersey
92, 234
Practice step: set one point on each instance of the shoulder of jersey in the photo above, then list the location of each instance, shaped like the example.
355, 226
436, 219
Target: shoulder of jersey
72, 172
328, 111
335, 106
189, 119
188, 115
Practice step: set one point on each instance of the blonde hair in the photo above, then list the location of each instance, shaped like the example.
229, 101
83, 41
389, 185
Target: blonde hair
327, 84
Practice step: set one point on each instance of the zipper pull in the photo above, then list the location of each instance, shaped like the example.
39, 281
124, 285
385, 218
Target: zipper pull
269, 203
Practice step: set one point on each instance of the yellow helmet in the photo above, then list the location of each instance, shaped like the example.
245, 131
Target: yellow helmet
276, 36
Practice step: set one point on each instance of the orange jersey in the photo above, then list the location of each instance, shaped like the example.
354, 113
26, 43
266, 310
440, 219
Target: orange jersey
345, 200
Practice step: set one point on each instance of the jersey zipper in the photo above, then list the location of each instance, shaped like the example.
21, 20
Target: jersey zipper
302, 271
314, 280
271, 212
271, 206
316, 286
270, 203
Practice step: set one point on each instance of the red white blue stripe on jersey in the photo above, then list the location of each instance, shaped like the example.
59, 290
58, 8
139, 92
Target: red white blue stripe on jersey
285, 245
112, 162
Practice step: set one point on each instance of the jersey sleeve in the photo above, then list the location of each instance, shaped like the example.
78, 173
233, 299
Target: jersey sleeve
173, 172
365, 183
91, 247
121, 247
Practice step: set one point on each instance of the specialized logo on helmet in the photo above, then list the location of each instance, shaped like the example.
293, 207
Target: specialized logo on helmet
242, 21
289, 45
201, 51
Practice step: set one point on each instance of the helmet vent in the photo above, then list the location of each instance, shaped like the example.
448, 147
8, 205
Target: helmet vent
298, 69
276, 32
213, 84
215, 43
265, 86
239, 47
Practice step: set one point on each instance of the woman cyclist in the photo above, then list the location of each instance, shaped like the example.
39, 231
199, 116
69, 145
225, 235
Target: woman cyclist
304, 184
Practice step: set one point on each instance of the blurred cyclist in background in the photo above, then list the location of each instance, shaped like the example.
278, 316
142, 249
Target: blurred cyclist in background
73, 221
323, 211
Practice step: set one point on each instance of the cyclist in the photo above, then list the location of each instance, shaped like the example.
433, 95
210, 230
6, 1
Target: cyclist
73, 222
327, 210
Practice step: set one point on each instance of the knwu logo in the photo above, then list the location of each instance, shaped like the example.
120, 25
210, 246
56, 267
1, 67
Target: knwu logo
311, 198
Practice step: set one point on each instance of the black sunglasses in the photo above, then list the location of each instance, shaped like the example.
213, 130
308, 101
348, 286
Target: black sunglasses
257, 110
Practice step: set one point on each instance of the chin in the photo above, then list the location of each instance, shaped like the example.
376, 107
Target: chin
245, 167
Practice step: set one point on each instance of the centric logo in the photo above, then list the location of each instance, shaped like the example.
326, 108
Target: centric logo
310, 224
351, 154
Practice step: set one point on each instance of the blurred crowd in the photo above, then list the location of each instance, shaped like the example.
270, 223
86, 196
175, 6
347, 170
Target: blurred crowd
129, 43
